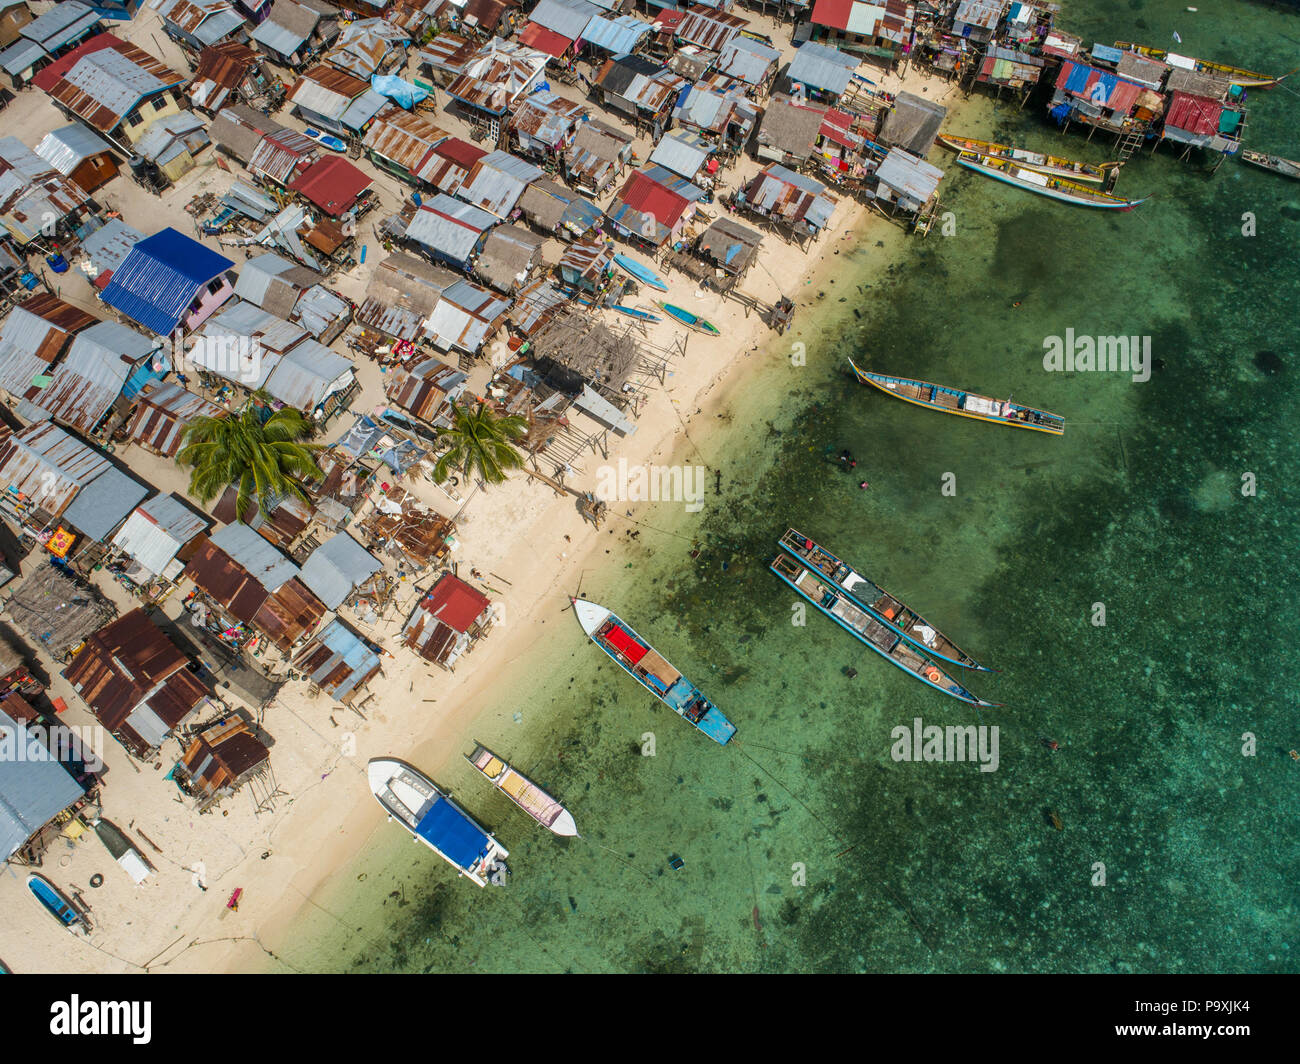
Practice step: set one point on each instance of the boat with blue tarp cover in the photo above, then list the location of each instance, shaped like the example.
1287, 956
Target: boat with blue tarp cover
434, 819
881, 638
58, 904
878, 602
648, 667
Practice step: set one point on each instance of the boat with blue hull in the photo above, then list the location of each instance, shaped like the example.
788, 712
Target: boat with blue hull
642, 273
414, 800
878, 602
647, 666
58, 905
881, 638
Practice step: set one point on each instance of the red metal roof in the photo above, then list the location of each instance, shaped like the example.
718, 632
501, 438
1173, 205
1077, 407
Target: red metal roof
544, 40
1194, 114
459, 151
455, 603
832, 13
332, 183
645, 194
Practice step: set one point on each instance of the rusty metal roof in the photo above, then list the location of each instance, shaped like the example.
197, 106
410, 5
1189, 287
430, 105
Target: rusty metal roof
45, 465
338, 661
284, 155
498, 75
102, 80
547, 119
425, 388
163, 413
326, 90
404, 138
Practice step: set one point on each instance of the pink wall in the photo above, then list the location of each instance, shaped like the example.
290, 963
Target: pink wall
208, 304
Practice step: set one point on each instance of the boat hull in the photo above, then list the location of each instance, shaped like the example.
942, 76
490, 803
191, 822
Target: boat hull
1077, 197
1246, 79
523, 792
57, 904
640, 273
1037, 161
691, 321
1274, 164
678, 694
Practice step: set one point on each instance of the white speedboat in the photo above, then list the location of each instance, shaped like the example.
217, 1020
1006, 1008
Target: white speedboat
415, 801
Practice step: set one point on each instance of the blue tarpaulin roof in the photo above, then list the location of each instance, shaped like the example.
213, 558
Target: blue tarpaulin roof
453, 834
402, 92
160, 277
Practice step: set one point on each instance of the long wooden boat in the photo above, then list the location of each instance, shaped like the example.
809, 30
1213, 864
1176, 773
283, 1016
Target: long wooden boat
1056, 188
1052, 165
58, 905
415, 801
1275, 163
631, 312
523, 792
1247, 79
691, 321
648, 667
963, 404
878, 602
881, 638
642, 273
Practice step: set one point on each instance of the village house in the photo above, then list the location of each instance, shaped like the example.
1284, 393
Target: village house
616, 35
33, 338
328, 98
198, 24
339, 662
337, 568
497, 181
232, 73
155, 534
449, 230
642, 91
492, 82
14, 15
402, 143
36, 201
488, 18
36, 793
749, 63
597, 157
80, 154
558, 211
872, 30
368, 47
333, 184
402, 293
161, 415
466, 318
509, 256
426, 389
167, 280
647, 212
42, 40
447, 621
297, 31
544, 125
104, 250
820, 73
219, 760
555, 27
795, 202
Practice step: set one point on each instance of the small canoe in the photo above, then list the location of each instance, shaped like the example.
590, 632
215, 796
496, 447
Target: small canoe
691, 321
643, 274
963, 404
57, 904
1056, 188
1053, 165
1275, 163
631, 312
1247, 79
534, 801
325, 140
885, 641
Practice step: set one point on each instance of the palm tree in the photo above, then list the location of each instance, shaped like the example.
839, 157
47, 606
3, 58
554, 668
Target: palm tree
481, 442
264, 457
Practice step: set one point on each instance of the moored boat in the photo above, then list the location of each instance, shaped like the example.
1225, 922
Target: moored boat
884, 640
58, 904
691, 321
1053, 165
1056, 188
878, 602
642, 273
963, 404
1275, 163
1247, 79
651, 670
415, 801
523, 792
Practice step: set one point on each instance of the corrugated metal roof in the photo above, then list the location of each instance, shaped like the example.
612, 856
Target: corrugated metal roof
910, 177
497, 181
67, 148
318, 308
497, 75
822, 67
449, 163
747, 60
404, 138
617, 35
163, 134
33, 791
326, 91
789, 197
449, 228
157, 529
64, 22
363, 109
465, 316
32, 192
332, 183
337, 566
270, 332
338, 661
102, 80
279, 39
45, 464
282, 155
308, 374
29, 343
682, 153
21, 56
255, 555
425, 388
547, 120
220, 26
104, 503
107, 247
711, 30
162, 414
160, 277
568, 18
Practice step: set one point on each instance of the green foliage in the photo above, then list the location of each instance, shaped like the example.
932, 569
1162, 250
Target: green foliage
481, 443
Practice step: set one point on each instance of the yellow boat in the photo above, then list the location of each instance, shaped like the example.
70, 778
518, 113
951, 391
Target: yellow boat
1052, 165
1247, 79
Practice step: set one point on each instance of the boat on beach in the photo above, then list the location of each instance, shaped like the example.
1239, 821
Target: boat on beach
651, 670
58, 905
642, 273
1056, 188
963, 404
631, 312
430, 815
878, 602
124, 851
1275, 163
1053, 165
886, 641
691, 321
325, 140
1247, 79
523, 792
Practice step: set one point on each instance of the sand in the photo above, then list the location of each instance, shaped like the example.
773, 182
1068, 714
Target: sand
532, 544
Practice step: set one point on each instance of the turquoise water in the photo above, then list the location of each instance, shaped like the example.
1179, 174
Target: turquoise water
806, 847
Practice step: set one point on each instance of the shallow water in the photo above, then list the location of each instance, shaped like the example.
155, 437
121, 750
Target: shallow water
806, 847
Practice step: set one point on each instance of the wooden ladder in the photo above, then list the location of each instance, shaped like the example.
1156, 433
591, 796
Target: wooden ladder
1129, 143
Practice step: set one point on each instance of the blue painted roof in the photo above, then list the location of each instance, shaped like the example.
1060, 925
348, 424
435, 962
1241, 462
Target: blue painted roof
453, 834
160, 277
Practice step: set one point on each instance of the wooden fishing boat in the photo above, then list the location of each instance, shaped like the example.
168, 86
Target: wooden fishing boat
643, 274
963, 404
881, 638
878, 602
124, 851
635, 656
691, 321
631, 312
1275, 163
1247, 79
1052, 165
58, 905
1056, 188
523, 792
325, 140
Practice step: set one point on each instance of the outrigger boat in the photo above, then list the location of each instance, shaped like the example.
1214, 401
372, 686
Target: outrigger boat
1247, 79
1056, 188
1285, 167
878, 602
883, 639
691, 321
523, 792
58, 905
643, 274
963, 404
414, 800
1052, 165
647, 666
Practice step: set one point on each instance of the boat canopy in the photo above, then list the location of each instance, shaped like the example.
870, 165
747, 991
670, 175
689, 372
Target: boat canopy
453, 834
625, 644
